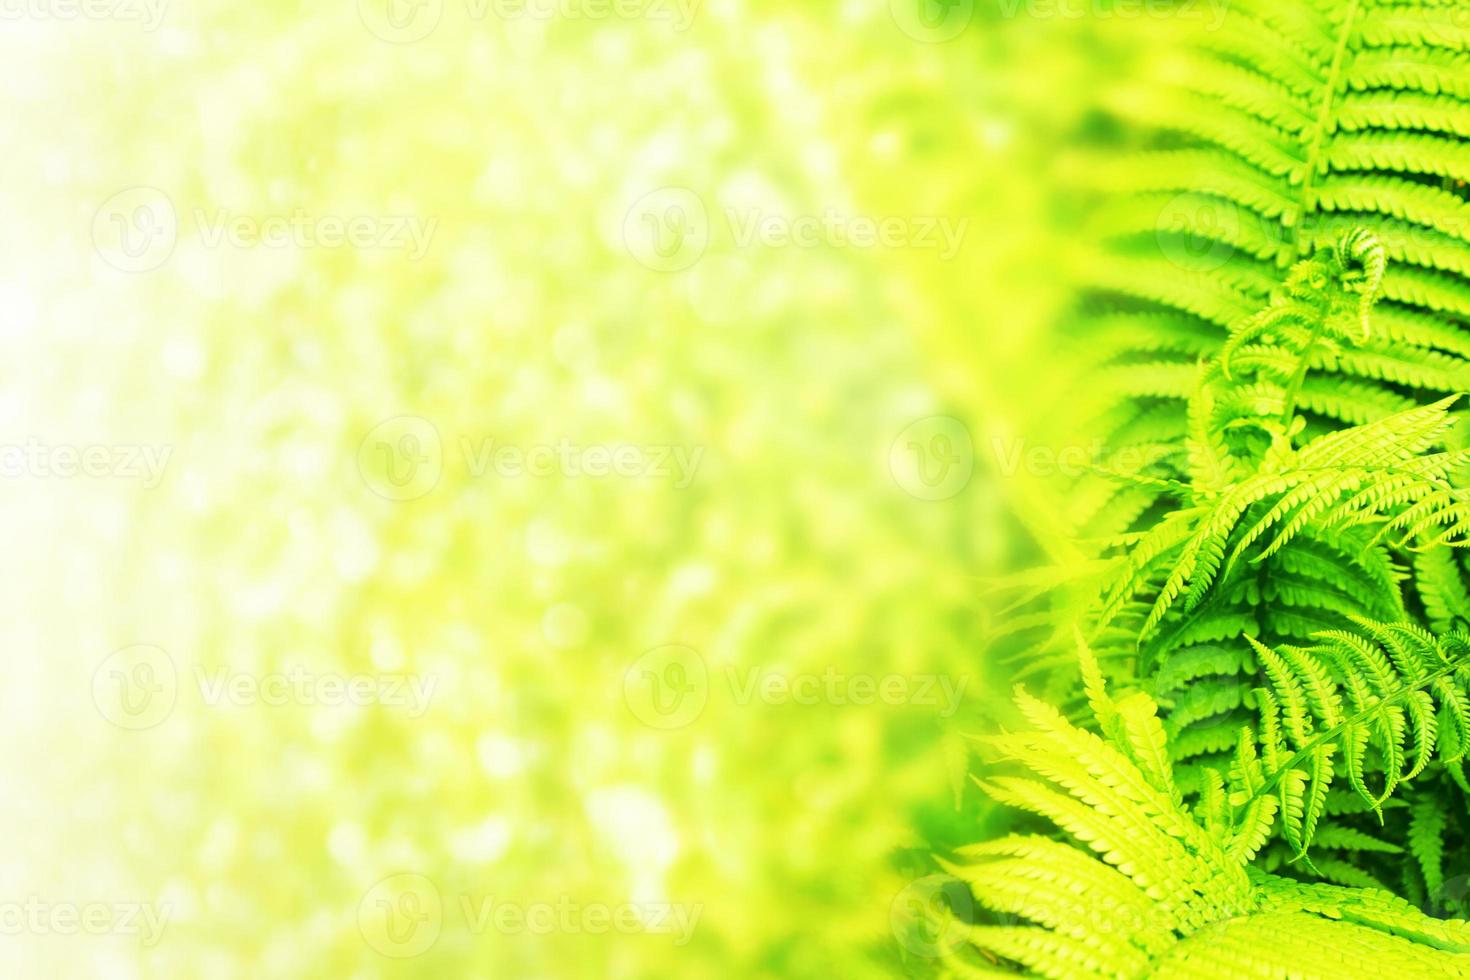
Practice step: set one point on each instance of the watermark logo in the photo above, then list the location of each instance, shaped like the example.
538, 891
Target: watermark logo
1210, 13
1449, 26
64, 462
569, 917
679, 13
38, 917
832, 228
932, 21
408, 21
135, 230
1196, 233
937, 21
304, 229
401, 458
149, 13
840, 688
401, 916
670, 229
136, 687
933, 458
928, 916
568, 459
667, 687
296, 685
400, 21
1013, 457
667, 230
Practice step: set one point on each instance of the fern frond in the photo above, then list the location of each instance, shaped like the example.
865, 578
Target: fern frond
1294, 124
1370, 695
1162, 897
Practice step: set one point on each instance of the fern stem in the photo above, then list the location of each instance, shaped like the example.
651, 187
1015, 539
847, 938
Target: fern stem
1337, 731
1307, 203
1300, 375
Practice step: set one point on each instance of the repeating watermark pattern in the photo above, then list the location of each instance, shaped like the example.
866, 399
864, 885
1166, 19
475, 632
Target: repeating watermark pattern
137, 230
38, 460
932, 21
668, 687
138, 687
403, 458
568, 459
831, 228
409, 21
296, 685
1195, 234
1448, 25
36, 916
1014, 457
933, 458
937, 21
567, 916
840, 688
400, 21
1200, 233
669, 230
1100, 915
148, 13
929, 916
303, 229
403, 915
1211, 13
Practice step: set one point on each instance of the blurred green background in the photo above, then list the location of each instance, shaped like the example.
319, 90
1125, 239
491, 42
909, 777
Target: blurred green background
714, 233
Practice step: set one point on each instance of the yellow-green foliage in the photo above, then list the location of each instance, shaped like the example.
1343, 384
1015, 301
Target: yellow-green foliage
1270, 333
1166, 894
